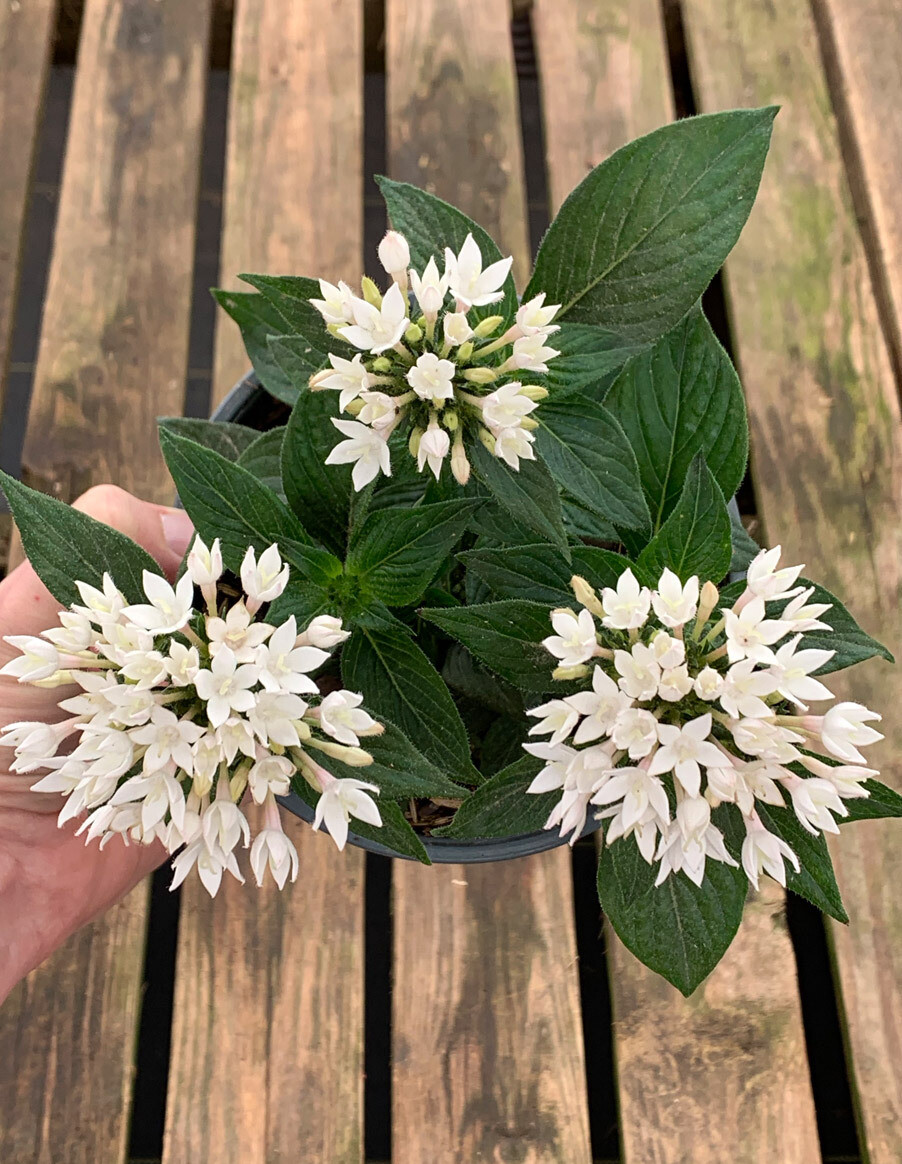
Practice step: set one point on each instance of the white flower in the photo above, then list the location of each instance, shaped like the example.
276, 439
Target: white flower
675, 683
73, 635
225, 687
435, 445
708, 683
182, 663
284, 666
376, 329
534, 317
224, 825
844, 731
765, 581
336, 305
394, 252
35, 742
325, 632
513, 445
264, 580
768, 740
557, 717
456, 327
272, 850
638, 671
600, 707
365, 447
800, 615
814, 802
107, 603
668, 652
636, 731
751, 635
39, 659
342, 717
158, 792
342, 799
574, 639
791, 673
470, 284
270, 774
638, 792
430, 290
673, 603
167, 738
275, 716
204, 563
349, 377
210, 866
206, 756
743, 688
530, 354
235, 736
132, 705
238, 632
379, 411
168, 610
683, 749
689, 841
431, 378
627, 607
506, 406
558, 758
763, 852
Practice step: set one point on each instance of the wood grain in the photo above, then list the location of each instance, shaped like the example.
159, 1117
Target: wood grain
295, 115
25, 37
740, 1037
827, 451
112, 356
488, 1056
269, 986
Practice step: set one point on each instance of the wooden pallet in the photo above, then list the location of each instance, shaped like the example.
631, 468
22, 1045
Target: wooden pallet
487, 1039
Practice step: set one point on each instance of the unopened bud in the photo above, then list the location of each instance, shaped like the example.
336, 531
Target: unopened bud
381, 364
578, 672
413, 444
708, 599
371, 292
414, 334
586, 595
528, 423
533, 392
355, 757
487, 439
464, 352
480, 375
394, 253
316, 380
487, 326
450, 420
354, 406
460, 465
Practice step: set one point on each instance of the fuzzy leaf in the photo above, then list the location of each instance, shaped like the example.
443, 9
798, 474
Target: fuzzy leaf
502, 807
395, 832
695, 538
307, 339
263, 458
881, 802
506, 636
636, 243
398, 768
258, 320
851, 644
529, 495
230, 440
589, 361
745, 548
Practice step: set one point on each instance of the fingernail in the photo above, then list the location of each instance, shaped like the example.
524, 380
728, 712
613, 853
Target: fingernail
178, 530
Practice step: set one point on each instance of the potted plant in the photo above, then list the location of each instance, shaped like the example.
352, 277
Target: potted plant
466, 584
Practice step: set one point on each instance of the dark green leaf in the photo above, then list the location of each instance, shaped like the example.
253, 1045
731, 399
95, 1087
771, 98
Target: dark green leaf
398, 681
308, 341
304, 600
695, 538
506, 636
580, 522
461, 671
502, 807
851, 644
65, 545
530, 495
536, 572
880, 802
397, 552
263, 458
589, 362
398, 768
395, 832
258, 320
679, 930
222, 437
680, 398
640, 238
745, 548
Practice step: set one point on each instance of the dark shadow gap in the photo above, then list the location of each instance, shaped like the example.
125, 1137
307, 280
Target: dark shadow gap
531, 129
595, 997
377, 1087
148, 1113
67, 31
37, 249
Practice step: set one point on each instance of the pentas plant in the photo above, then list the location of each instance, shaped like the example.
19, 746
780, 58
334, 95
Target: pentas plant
479, 578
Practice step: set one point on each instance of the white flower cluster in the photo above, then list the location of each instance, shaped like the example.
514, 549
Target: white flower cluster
182, 711
435, 370
692, 707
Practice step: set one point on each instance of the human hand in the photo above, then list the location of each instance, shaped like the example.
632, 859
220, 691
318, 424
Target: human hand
51, 882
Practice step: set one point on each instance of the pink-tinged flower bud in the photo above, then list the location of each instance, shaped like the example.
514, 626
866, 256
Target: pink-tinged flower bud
394, 253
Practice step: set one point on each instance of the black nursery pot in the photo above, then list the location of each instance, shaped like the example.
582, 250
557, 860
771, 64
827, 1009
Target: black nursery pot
249, 404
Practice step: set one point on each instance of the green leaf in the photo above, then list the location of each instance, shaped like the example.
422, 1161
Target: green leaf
679, 930
304, 600
695, 538
430, 225
530, 495
589, 362
540, 574
461, 671
680, 398
580, 522
397, 552
395, 832
506, 636
880, 802
398, 768
258, 320
589, 455
263, 458
308, 340
319, 494
494, 523
851, 644
502, 807
636, 243
219, 435
65, 545
745, 548
398, 682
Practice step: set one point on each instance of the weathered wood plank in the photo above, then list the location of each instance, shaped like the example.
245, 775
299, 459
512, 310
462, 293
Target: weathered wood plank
295, 115
113, 355
25, 38
488, 1057
744, 1024
271, 985
827, 449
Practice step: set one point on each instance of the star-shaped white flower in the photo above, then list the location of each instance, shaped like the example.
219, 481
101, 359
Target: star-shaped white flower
765, 581
635, 730
342, 799
168, 609
791, 673
683, 749
513, 445
342, 717
38, 660
533, 316
379, 411
349, 377
506, 406
744, 688
556, 717
336, 305
238, 632
764, 852
435, 444
265, 580
639, 672
431, 378
284, 666
167, 738
365, 448
844, 730
574, 640
430, 289
750, 634
674, 603
376, 329
470, 284
225, 687
273, 852
627, 607
599, 707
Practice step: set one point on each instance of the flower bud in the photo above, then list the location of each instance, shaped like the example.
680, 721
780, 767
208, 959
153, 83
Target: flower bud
487, 326
528, 423
355, 757
480, 375
381, 364
414, 334
413, 444
354, 406
325, 631
464, 352
460, 465
578, 672
586, 596
450, 420
394, 253
707, 601
204, 565
371, 292
487, 439
457, 328
533, 392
